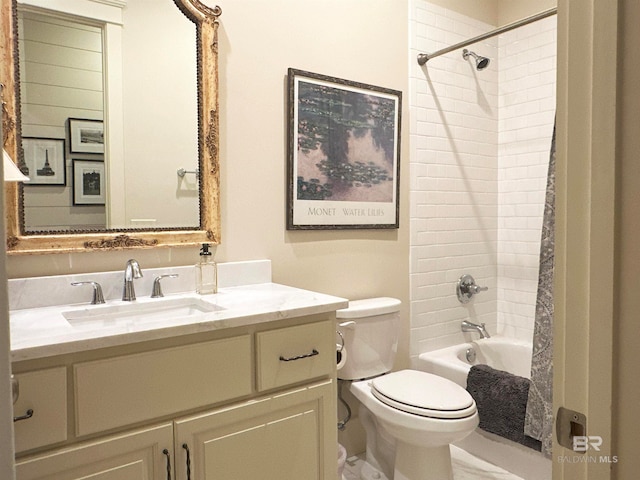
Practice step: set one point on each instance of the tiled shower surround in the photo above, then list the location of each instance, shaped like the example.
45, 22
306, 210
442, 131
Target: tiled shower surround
480, 143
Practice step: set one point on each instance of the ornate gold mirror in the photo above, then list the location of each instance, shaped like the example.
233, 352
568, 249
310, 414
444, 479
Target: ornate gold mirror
106, 175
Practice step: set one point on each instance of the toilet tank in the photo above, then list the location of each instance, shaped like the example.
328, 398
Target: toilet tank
370, 331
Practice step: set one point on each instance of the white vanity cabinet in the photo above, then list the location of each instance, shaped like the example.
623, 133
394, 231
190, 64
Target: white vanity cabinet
136, 455
286, 436
254, 402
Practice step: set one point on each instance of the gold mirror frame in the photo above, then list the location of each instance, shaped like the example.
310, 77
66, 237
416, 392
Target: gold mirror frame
206, 21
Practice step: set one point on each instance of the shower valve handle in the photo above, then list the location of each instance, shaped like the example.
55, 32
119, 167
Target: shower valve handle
477, 289
466, 288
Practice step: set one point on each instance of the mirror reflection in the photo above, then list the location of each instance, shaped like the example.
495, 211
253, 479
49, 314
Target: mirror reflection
109, 116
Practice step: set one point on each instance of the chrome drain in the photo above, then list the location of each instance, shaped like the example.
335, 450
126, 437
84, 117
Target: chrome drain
470, 355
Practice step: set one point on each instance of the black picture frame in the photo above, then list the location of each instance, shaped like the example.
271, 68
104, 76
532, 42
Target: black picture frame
46, 160
86, 135
88, 182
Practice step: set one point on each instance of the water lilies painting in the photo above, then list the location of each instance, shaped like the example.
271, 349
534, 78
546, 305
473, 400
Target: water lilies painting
344, 144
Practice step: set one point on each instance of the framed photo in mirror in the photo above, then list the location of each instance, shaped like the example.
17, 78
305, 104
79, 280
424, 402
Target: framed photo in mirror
88, 182
86, 136
45, 159
343, 154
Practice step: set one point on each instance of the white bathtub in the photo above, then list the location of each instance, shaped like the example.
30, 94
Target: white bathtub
503, 354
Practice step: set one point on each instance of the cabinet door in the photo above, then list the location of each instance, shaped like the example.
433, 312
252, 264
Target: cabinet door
135, 456
288, 436
44, 392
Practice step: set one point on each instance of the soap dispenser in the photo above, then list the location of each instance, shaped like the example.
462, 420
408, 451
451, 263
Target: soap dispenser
206, 272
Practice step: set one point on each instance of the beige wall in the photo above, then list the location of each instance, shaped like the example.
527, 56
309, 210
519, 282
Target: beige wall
513, 10
257, 45
626, 380
483, 10
256, 54
6, 419
497, 12
6, 424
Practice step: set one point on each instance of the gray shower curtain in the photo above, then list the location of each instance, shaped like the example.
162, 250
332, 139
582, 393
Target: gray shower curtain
539, 413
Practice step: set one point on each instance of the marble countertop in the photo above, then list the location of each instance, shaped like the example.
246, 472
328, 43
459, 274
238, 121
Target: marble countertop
43, 332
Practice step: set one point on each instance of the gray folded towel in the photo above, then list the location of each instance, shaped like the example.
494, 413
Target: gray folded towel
501, 399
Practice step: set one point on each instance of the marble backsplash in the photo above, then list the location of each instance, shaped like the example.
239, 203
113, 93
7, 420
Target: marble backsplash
38, 292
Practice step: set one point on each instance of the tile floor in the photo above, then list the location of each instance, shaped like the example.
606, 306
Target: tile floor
465, 467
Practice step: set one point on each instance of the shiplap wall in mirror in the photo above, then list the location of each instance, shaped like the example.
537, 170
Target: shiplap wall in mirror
61, 77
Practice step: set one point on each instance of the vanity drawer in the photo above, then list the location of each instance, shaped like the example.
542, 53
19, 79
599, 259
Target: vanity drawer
44, 392
134, 388
295, 354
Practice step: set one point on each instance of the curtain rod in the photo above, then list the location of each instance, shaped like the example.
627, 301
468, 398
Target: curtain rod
425, 57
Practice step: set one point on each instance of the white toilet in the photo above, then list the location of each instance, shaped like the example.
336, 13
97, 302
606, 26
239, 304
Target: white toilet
410, 417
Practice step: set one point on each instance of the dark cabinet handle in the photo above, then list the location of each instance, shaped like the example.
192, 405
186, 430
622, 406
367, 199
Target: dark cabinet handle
166, 453
186, 447
313, 353
26, 416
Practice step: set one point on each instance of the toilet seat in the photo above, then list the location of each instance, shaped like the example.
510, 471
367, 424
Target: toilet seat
423, 394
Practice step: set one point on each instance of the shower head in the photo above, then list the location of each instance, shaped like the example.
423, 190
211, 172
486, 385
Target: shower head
481, 62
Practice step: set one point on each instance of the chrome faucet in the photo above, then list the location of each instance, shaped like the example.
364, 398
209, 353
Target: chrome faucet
474, 327
131, 271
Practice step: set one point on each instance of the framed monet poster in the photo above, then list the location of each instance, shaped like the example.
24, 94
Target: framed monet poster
88, 182
86, 136
45, 159
343, 153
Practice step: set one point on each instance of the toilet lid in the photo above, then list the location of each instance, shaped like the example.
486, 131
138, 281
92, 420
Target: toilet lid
423, 394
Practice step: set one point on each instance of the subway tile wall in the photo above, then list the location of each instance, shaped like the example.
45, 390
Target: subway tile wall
479, 152
526, 105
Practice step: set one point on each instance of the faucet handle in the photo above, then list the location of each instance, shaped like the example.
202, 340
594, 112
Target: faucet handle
156, 292
477, 289
98, 298
466, 288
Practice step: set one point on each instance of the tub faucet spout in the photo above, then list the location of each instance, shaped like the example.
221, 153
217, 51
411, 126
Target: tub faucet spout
474, 327
131, 271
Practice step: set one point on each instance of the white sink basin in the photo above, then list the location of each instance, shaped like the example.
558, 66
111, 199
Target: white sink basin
134, 313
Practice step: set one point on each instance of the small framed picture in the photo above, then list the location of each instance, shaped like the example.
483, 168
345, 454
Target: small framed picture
86, 136
45, 159
88, 182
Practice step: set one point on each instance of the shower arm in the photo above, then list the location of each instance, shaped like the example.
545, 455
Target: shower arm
423, 58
